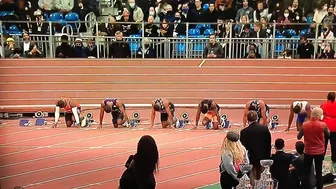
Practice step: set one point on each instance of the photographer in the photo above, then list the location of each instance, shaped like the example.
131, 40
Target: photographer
252, 53
327, 53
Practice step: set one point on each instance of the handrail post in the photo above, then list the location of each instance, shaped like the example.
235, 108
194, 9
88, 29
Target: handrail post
274, 40
97, 42
51, 40
187, 40
2, 41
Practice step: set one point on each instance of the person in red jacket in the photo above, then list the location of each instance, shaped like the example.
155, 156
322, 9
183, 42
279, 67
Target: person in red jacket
314, 132
329, 118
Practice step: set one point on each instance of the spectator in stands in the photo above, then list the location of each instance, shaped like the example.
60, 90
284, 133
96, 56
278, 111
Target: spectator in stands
11, 51
47, 6
91, 49
245, 10
327, 53
297, 169
147, 50
40, 27
141, 166
196, 15
109, 28
213, 49
30, 49
166, 29
295, 11
211, 14
64, 50
258, 32
128, 28
186, 12
265, 26
281, 163
156, 18
239, 27
277, 11
168, 14
78, 49
330, 17
305, 49
233, 153
24, 13
314, 132
7, 5
226, 11
151, 30
329, 118
258, 148
283, 22
119, 48
246, 33
311, 33
135, 12
64, 6
320, 12
179, 28
224, 29
82, 8
260, 12
327, 36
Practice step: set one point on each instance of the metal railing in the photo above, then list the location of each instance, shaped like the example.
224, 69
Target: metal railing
186, 44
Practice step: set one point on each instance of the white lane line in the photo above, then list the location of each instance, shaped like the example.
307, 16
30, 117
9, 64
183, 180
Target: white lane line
68, 153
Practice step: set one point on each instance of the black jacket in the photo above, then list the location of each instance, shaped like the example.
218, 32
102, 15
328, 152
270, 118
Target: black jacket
257, 140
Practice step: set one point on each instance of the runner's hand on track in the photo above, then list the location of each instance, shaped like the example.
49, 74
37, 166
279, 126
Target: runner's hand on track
100, 126
54, 125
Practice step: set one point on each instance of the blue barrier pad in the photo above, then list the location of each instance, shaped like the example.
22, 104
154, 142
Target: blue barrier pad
40, 122
24, 122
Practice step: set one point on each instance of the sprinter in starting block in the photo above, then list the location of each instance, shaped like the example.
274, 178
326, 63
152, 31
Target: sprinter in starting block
262, 110
72, 111
117, 110
166, 109
211, 110
303, 111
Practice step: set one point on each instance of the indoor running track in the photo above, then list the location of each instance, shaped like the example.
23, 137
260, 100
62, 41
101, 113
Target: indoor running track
41, 157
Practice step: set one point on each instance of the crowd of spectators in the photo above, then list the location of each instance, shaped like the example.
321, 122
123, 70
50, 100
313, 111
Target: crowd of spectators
243, 19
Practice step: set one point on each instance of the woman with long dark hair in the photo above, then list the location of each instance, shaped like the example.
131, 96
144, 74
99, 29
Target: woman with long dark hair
141, 166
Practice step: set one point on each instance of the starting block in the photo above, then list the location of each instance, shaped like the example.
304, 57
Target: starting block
225, 123
40, 114
89, 116
209, 125
135, 120
86, 120
274, 121
185, 117
178, 123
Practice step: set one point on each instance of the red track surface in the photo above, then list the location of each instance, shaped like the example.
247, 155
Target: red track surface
41, 157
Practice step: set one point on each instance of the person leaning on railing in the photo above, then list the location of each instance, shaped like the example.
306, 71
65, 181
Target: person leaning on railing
213, 49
